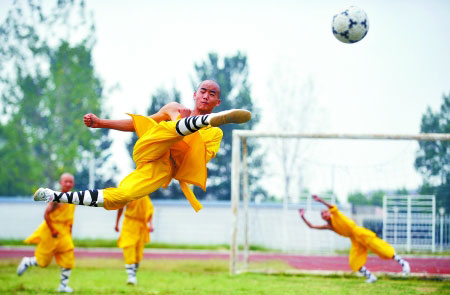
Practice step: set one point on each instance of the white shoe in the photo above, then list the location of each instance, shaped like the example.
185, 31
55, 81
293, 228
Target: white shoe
372, 279
406, 268
23, 266
43, 194
132, 281
64, 289
236, 116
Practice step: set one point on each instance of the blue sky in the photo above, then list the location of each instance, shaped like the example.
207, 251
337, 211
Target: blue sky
382, 84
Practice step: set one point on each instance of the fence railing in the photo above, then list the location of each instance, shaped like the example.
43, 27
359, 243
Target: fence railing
441, 232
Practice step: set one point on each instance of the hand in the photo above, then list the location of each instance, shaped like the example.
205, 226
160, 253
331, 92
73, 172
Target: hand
316, 198
91, 120
150, 230
301, 212
54, 233
116, 228
184, 112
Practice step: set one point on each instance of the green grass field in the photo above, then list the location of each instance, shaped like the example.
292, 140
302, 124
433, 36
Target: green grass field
107, 276
112, 243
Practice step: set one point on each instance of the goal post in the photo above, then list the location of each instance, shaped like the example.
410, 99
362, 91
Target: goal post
239, 174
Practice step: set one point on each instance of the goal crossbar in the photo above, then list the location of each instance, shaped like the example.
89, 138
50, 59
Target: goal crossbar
240, 136
420, 136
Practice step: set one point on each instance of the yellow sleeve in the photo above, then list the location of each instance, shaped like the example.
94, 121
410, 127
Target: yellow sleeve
142, 123
338, 214
333, 210
212, 144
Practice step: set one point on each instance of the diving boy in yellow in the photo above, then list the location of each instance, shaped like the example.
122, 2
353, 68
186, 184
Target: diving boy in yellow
362, 240
168, 147
54, 238
136, 227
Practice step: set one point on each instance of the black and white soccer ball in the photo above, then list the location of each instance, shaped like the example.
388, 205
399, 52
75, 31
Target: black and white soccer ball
350, 25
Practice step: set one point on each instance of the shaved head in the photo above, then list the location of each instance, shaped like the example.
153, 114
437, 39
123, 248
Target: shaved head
326, 215
207, 97
65, 175
209, 82
67, 181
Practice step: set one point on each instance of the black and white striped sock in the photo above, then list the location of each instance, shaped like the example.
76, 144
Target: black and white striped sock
365, 272
92, 198
405, 265
31, 261
131, 269
136, 266
25, 263
191, 124
65, 274
399, 259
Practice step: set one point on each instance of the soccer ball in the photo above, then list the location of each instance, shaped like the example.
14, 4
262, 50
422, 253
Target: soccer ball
351, 25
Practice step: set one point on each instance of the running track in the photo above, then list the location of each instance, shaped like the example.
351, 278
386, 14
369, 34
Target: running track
420, 265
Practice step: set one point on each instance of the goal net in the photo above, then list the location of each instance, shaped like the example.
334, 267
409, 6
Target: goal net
283, 170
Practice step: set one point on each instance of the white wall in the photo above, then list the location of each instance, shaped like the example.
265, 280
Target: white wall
176, 222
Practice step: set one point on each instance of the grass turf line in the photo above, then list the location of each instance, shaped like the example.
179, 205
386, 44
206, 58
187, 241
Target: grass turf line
112, 243
107, 276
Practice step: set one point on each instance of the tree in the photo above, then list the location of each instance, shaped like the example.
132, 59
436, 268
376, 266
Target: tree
357, 198
49, 83
293, 104
158, 100
372, 199
16, 158
376, 199
402, 192
99, 158
433, 157
235, 93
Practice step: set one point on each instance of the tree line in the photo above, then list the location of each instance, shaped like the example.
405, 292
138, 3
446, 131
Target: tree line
48, 81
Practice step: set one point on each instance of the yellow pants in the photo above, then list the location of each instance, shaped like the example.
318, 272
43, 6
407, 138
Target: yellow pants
358, 252
60, 248
146, 179
135, 253
154, 169
133, 237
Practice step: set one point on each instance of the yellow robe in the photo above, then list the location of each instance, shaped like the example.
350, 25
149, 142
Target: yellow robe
362, 240
161, 154
135, 232
60, 247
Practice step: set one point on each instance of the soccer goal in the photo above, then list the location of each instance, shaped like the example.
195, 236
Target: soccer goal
265, 199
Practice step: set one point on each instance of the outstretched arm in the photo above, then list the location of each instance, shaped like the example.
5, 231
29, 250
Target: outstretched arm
92, 121
170, 112
150, 223
119, 213
317, 199
302, 215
